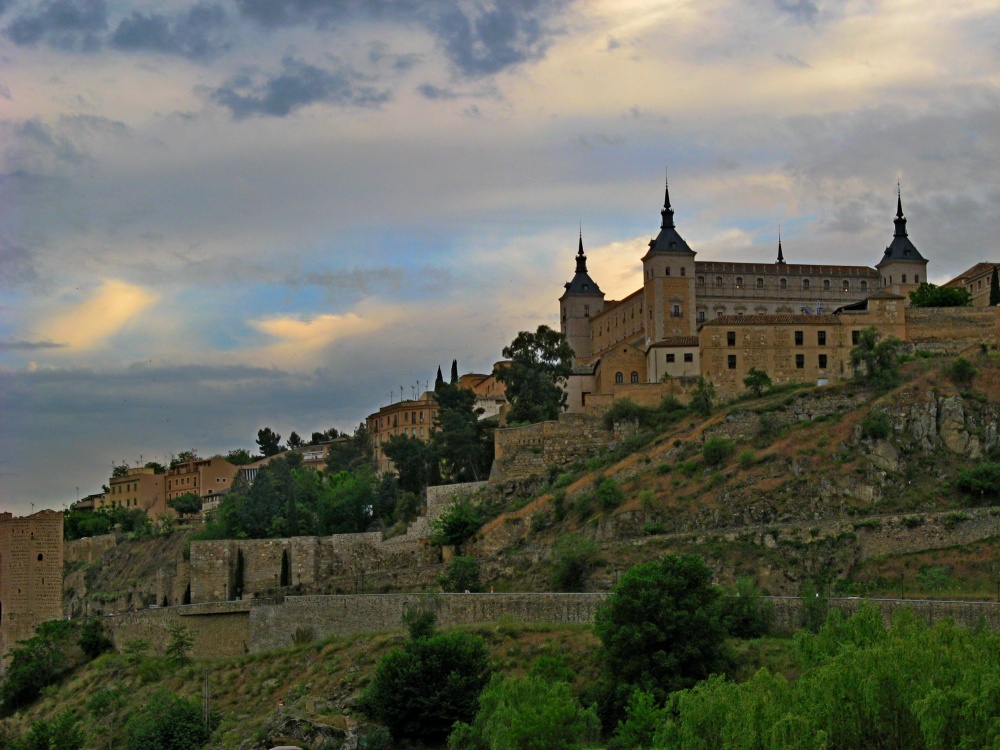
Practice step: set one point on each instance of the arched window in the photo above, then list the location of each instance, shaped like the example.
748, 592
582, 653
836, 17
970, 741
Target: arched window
718, 281
805, 283
635, 377
667, 273
847, 285
760, 283
739, 282
683, 271
904, 278
783, 283
864, 286
701, 281
826, 285
619, 378
40, 557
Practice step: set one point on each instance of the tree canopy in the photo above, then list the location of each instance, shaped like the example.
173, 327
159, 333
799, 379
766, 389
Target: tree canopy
540, 364
931, 295
876, 360
186, 504
268, 441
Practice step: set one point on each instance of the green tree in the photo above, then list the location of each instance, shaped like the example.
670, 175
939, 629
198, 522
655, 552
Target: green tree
36, 663
184, 457
94, 639
962, 372
994, 288
186, 504
156, 466
61, 733
744, 612
457, 522
757, 381
930, 295
420, 690
540, 363
462, 575
120, 470
178, 650
294, 441
875, 360
454, 372
353, 453
702, 397
661, 630
239, 457
412, 458
168, 722
526, 713
105, 707
439, 380
573, 559
268, 441
462, 445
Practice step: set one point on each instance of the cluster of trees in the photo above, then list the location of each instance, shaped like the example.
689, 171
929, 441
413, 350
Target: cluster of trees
931, 295
78, 524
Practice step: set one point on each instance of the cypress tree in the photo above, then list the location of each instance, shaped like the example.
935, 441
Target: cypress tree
286, 575
994, 289
439, 380
454, 372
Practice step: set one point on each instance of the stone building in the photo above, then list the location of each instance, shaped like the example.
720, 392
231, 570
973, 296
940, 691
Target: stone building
977, 281
653, 342
31, 568
207, 477
139, 487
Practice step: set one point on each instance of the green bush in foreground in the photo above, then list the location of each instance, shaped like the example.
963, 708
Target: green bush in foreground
168, 722
526, 713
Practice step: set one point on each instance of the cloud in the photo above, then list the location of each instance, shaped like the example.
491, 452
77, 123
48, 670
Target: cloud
802, 11
298, 85
72, 25
91, 323
302, 340
28, 346
5, 92
792, 60
436, 93
17, 265
197, 34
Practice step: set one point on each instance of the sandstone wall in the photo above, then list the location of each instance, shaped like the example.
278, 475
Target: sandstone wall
88, 550
788, 610
220, 629
952, 329
521, 452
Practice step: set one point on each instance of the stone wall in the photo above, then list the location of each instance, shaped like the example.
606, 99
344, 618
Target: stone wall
952, 329
89, 549
521, 452
233, 628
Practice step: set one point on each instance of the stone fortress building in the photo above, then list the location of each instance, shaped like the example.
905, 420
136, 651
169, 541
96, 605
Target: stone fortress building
660, 339
31, 574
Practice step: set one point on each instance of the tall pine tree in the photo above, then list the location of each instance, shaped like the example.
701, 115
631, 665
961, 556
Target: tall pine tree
439, 380
454, 372
994, 288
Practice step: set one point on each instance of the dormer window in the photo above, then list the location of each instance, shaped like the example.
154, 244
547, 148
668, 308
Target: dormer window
586, 287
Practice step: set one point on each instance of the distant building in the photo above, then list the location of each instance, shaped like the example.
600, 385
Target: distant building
205, 477
140, 487
31, 570
977, 282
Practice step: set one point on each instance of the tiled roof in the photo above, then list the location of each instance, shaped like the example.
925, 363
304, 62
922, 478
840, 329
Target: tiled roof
784, 269
980, 269
675, 341
884, 294
774, 320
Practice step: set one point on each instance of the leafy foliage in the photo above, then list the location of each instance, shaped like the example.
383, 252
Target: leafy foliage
186, 504
239, 457
168, 722
462, 575
83, 523
420, 690
876, 425
573, 557
458, 522
757, 381
37, 662
526, 713
661, 630
61, 733
744, 613
876, 361
462, 444
962, 371
178, 650
669, 411
982, 481
717, 450
539, 363
702, 398
268, 441
94, 639
931, 295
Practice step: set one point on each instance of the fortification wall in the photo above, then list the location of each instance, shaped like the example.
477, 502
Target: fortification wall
522, 452
88, 550
952, 329
233, 628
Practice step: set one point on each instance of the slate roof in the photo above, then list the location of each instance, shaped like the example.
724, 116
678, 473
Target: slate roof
675, 341
980, 269
668, 240
901, 248
582, 283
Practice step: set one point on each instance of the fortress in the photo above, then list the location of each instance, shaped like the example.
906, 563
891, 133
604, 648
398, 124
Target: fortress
788, 319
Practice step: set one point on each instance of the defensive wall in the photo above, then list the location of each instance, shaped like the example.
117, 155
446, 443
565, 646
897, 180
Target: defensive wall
233, 628
88, 550
522, 452
336, 562
951, 329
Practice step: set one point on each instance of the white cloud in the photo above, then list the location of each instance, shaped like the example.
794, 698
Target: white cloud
87, 325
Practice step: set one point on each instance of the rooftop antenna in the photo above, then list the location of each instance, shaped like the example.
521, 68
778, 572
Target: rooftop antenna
400, 393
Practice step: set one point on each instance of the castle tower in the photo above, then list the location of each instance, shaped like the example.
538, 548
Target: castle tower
581, 300
902, 267
668, 282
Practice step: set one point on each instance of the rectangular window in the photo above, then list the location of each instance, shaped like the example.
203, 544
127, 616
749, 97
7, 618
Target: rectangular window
821, 338
855, 335
701, 316
586, 311
731, 338
798, 338
800, 361
822, 361
670, 358
689, 357
731, 360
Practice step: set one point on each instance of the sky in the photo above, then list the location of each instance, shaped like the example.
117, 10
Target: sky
226, 214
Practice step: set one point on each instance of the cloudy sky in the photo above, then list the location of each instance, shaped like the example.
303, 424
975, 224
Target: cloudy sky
225, 214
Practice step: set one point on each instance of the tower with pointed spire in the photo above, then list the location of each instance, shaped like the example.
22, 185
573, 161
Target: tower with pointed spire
668, 281
582, 299
902, 267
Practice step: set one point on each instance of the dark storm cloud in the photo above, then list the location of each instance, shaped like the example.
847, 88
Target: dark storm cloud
478, 39
75, 25
28, 346
4, 5
200, 33
298, 85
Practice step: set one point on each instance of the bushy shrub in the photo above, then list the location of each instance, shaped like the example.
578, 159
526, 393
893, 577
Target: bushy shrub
981, 481
876, 425
962, 371
747, 459
573, 557
457, 523
609, 494
462, 575
717, 450
744, 612
168, 722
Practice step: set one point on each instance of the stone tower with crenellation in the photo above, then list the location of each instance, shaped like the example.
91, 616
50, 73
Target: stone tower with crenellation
31, 569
